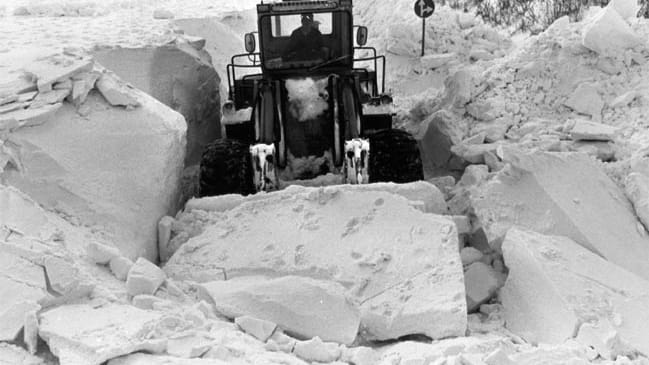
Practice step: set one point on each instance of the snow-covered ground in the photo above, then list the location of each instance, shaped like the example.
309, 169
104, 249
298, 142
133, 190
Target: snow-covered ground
537, 255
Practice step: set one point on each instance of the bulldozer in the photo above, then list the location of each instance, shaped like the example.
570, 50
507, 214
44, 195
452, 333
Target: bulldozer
308, 95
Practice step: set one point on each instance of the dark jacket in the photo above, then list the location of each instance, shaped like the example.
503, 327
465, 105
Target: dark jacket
304, 46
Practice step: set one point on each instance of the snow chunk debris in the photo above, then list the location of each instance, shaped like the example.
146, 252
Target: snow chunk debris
144, 278
637, 189
116, 92
12, 355
101, 253
163, 14
306, 98
72, 332
120, 266
302, 306
626, 8
607, 33
564, 194
145, 359
315, 350
258, 328
589, 131
586, 100
555, 285
481, 282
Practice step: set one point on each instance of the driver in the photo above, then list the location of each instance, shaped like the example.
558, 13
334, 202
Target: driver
306, 41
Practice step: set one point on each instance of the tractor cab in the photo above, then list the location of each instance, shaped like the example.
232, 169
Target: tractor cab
305, 89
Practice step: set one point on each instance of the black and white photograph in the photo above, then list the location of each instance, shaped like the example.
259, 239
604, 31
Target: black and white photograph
324, 182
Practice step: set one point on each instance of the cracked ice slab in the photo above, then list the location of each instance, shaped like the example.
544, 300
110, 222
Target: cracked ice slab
403, 265
555, 286
82, 334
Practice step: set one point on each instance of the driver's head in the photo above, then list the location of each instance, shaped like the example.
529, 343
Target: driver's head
307, 19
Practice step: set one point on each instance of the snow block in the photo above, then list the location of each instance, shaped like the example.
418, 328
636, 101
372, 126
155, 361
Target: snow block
315, 350
607, 33
101, 253
304, 307
583, 130
257, 328
428, 194
116, 92
12, 320
178, 76
481, 282
72, 332
189, 345
437, 60
437, 135
11, 355
163, 14
401, 263
626, 8
144, 278
21, 214
120, 266
108, 166
564, 194
555, 286
145, 359
586, 100
637, 190
22, 285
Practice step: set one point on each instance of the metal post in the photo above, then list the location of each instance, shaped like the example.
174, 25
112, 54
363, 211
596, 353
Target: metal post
423, 35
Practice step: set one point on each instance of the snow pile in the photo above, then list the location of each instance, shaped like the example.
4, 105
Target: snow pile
307, 98
180, 75
533, 97
553, 79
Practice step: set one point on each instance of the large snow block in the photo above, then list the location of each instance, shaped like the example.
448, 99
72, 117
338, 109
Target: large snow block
178, 76
607, 33
555, 286
304, 307
401, 263
82, 334
111, 167
565, 194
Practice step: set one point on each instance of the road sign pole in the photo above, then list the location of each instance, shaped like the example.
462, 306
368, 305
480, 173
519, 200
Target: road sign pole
423, 35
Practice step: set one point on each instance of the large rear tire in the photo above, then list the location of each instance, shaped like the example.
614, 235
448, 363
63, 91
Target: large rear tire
394, 157
226, 168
